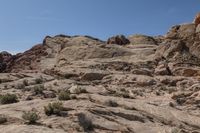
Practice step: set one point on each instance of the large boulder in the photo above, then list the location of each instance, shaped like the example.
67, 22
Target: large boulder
119, 39
90, 76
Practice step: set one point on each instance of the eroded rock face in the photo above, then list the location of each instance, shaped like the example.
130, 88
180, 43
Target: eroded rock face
119, 39
4, 59
28, 60
151, 85
197, 19
142, 39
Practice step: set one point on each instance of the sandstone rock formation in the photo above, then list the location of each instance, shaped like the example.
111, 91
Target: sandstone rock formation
142, 85
141, 39
119, 39
4, 59
197, 19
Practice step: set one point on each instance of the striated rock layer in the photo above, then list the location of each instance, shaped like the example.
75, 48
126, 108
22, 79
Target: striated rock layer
138, 84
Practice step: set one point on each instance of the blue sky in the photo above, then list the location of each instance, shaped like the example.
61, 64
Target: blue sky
24, 23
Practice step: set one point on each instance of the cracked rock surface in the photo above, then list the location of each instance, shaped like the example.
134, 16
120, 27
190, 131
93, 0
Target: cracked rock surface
150, 85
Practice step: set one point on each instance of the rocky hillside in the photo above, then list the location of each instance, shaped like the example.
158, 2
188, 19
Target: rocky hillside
134, 84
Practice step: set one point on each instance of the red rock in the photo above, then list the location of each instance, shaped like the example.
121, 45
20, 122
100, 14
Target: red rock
197, 19
119, 39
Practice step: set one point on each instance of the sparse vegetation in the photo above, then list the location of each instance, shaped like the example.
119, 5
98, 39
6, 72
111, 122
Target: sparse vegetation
176, 130
85, 122
20, 86
39, 80
55, 108
38, 89
3, 119
63, 95
8, 99
31, 117
25, 82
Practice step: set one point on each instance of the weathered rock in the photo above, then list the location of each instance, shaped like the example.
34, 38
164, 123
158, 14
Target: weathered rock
163, 69
170, 48
188, 72
119, 39
198, 29
197, 19
113, 88
90, 76
49, 94
4, 59
142, 39
181, 31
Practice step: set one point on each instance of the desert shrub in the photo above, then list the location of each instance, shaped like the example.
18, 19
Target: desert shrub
85, 122
55, 108
20, 86
31, 117
176, 130
3, 119
63, 95
38, 89
125, 95
39, 80
25, 82
111, 103
8, 99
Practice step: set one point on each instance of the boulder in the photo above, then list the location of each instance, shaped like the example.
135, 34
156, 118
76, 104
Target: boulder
119, 39
90, 76
49, 94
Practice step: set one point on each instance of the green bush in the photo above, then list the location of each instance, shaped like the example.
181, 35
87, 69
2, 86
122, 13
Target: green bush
39, 80
31, 117
55, 108
64, 96
8, 99
38, 89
